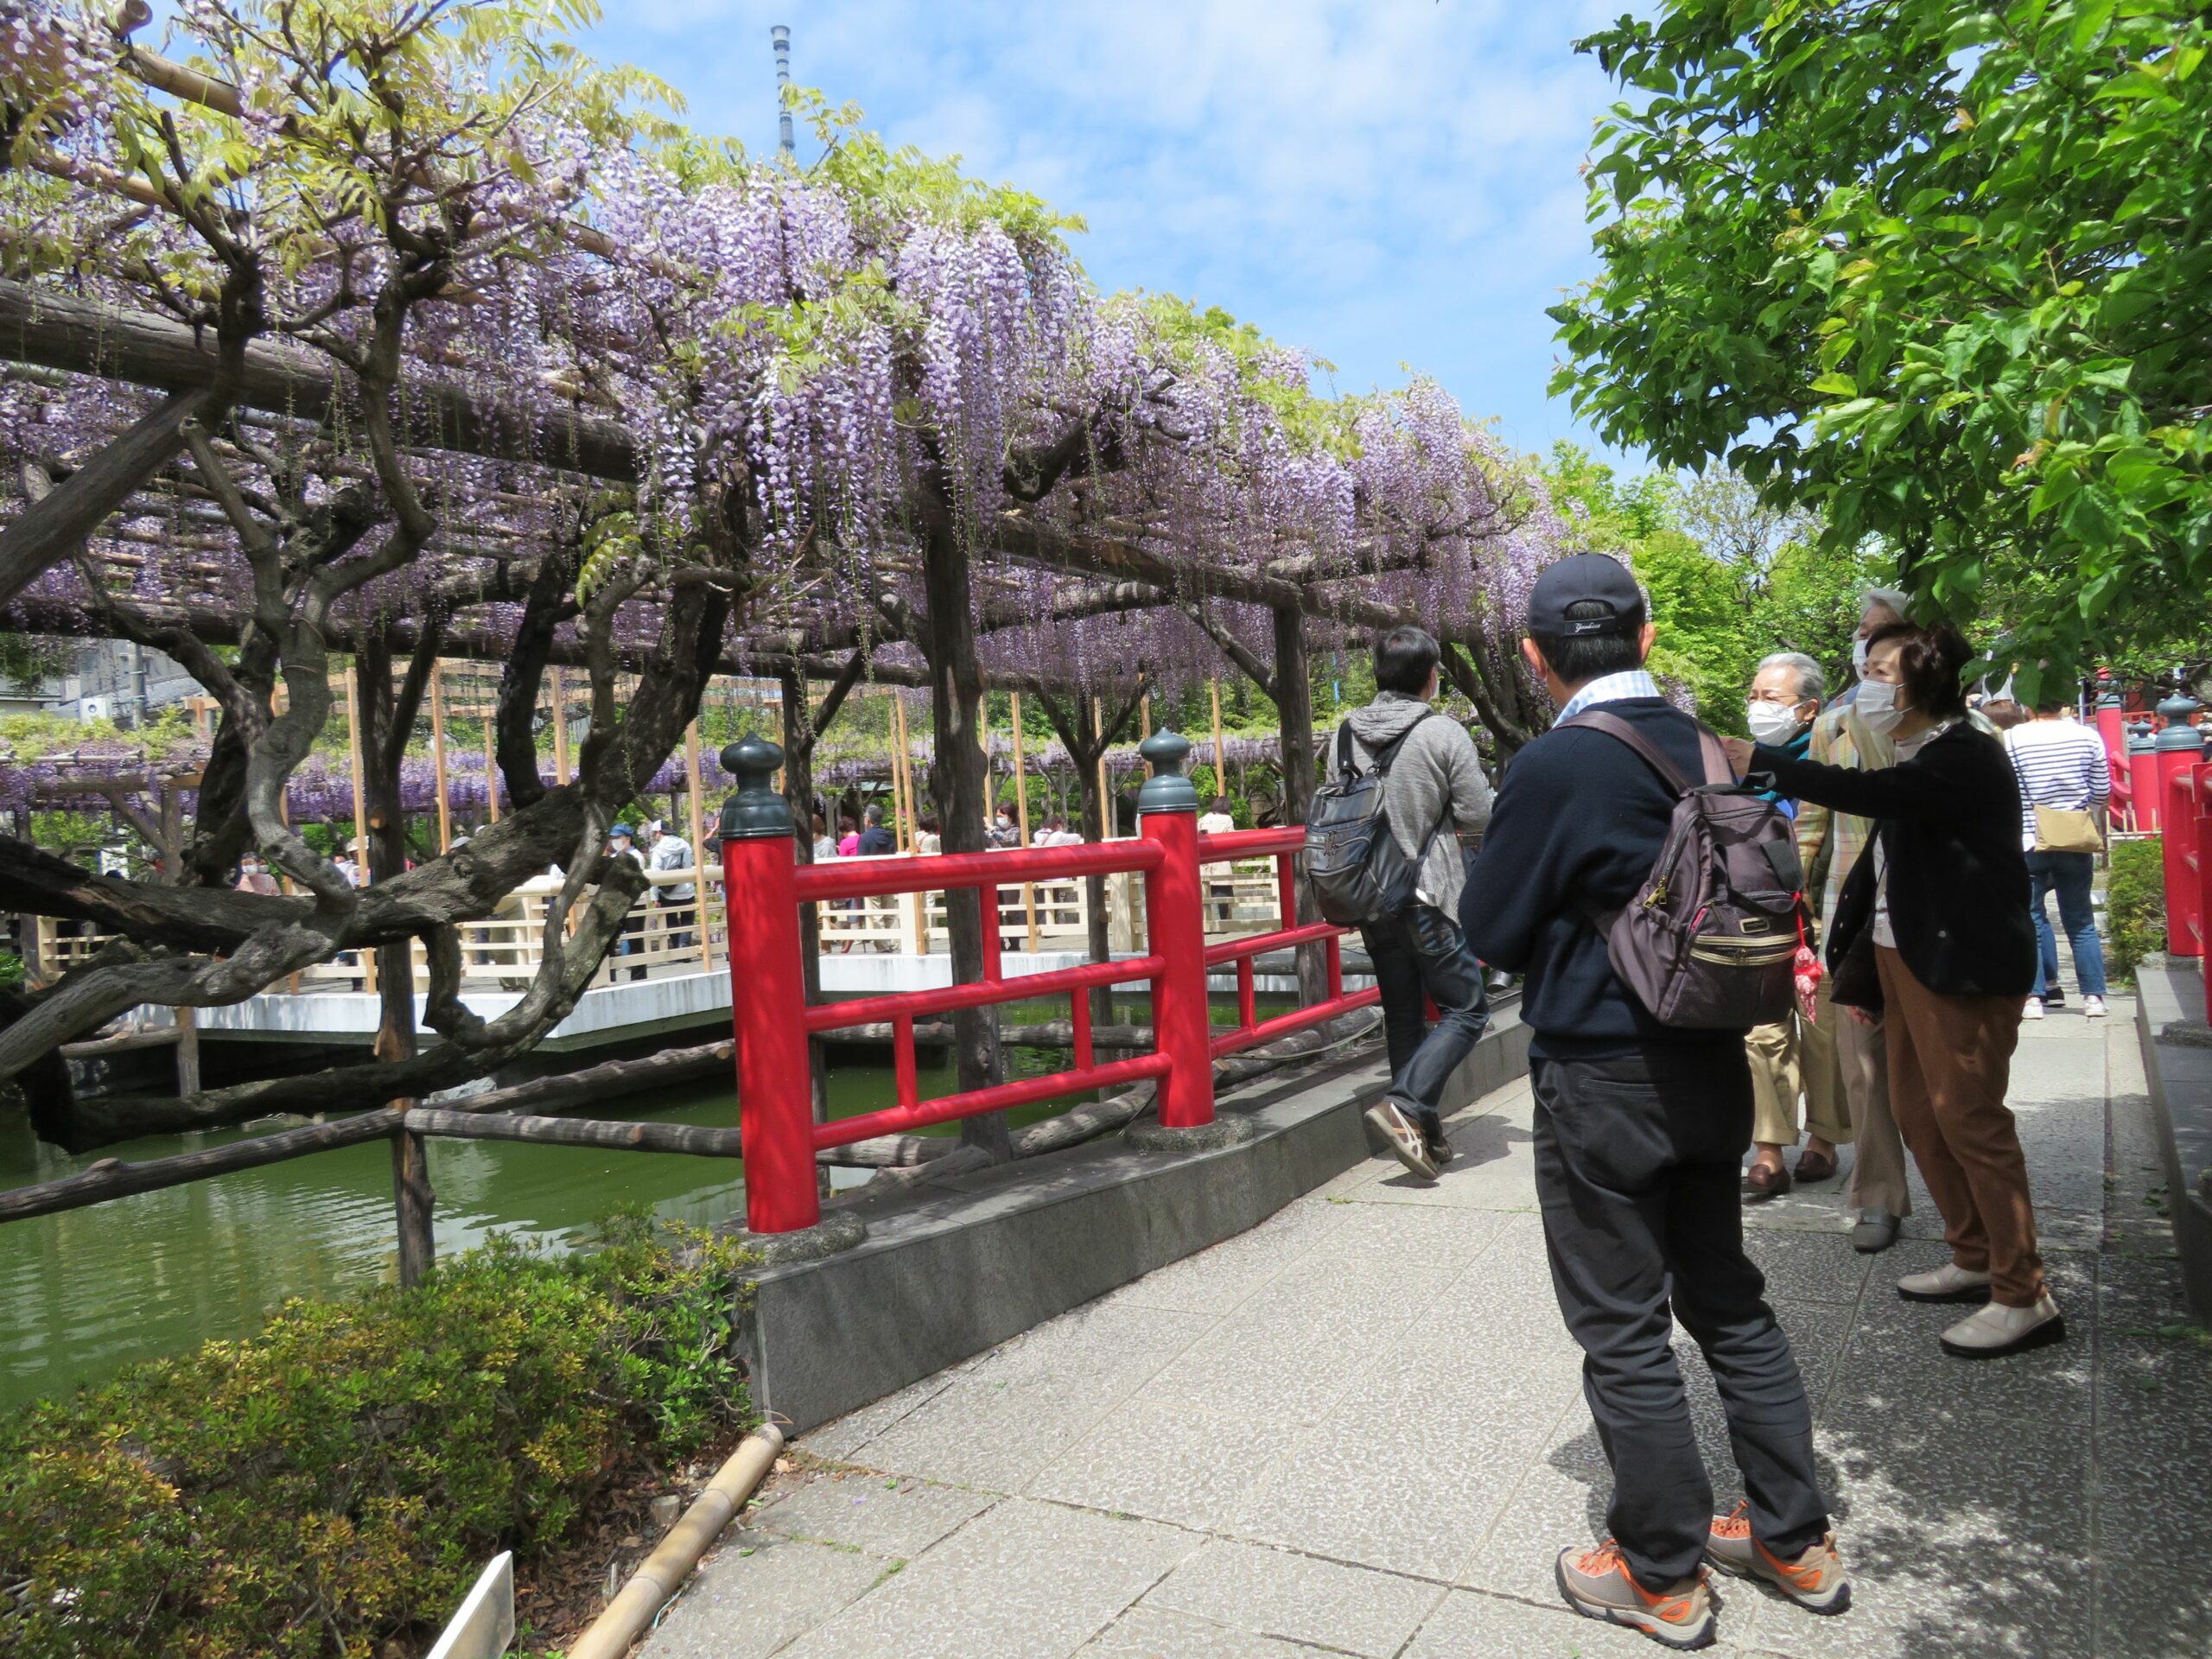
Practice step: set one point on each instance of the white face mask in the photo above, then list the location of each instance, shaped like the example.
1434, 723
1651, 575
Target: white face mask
1771, 722
1877, 705
1858, 658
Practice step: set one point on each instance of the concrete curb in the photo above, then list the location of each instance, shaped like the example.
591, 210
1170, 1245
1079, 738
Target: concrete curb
2180, 1074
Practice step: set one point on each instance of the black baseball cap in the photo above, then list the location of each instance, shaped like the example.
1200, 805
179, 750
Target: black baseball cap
1586, 579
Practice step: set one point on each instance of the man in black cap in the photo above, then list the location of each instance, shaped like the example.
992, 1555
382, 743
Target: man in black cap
1640, 1132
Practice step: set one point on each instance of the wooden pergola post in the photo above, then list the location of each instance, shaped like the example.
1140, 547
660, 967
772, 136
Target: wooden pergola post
1021, 808
699, 839
360, 852
438, 750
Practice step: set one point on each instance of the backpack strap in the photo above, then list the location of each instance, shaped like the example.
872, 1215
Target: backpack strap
1596, 719
1379, 760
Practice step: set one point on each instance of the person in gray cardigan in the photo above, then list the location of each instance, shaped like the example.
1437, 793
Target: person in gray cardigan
1434, 793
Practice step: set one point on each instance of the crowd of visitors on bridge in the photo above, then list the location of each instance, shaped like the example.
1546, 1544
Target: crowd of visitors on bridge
1928, 836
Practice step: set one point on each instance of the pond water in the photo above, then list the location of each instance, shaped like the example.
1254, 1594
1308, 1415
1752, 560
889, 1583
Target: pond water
157, 1273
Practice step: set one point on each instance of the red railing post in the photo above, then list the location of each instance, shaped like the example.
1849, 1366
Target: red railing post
767, 996
2201, 815
2180, 851
1168, 813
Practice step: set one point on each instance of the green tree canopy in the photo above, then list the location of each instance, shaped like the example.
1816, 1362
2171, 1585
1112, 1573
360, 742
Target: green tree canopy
1942, 270
1731, 579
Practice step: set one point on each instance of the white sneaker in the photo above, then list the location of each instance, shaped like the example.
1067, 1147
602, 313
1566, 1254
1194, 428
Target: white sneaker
2034, 1010
1949, 1283
1403, 1136
1996, 1330
2093, 1007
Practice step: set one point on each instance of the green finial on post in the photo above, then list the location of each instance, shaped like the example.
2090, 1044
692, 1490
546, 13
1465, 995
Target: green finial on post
1168, 789
756, 812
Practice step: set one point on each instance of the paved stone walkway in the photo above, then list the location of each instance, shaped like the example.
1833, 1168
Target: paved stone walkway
1359, 1429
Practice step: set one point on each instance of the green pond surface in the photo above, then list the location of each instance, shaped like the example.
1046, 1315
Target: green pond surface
86, 1290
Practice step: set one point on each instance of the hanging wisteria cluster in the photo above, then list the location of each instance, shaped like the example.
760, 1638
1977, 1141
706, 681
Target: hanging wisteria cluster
789, 354
404, 331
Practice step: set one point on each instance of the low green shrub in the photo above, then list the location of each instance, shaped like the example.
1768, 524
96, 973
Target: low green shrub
338, 1481
2135, 905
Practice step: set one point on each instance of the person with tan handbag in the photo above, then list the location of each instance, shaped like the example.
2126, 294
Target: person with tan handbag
2064, 786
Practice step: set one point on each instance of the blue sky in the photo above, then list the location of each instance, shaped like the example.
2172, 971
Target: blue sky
1381, 183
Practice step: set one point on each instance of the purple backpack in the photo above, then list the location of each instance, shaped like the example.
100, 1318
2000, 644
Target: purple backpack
1710, 940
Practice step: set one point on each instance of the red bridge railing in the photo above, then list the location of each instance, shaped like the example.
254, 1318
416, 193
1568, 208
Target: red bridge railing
2186, 844
766, 886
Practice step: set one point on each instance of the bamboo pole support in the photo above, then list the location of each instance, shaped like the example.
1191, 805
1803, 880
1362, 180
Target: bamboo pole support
560, 727
918, 916
698, 815
1021, 807
438, 747
1107, 825
1144, 715
1220, 754
491, 773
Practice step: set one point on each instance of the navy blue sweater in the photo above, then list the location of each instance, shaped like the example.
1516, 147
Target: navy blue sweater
1579, 820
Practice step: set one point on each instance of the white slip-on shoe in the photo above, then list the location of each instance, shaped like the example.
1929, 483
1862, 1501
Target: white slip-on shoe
2034, 1010
2093, 1007
1949, 1283
1993, 1330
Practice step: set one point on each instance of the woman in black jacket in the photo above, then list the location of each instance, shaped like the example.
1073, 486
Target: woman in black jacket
1933, 908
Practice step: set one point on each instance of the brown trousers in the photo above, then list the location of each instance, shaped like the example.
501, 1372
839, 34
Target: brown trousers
1950, 1063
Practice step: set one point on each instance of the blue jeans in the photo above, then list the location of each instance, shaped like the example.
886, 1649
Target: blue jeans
2068, 874
1422, 953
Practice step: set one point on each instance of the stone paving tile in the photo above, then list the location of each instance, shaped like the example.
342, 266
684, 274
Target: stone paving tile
845, 1436
1276, 1593
889, 1514
1022, 1581
1024, 1404
1472, 1625
1190, 1465
756, 1592
1217, 1280
1800, 1267
1966, 1545
1403, 1485
1377, 1226
1493, 1168
1147, 1633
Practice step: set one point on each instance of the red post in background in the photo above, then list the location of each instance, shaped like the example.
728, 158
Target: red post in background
1168, 813
2112, 728
767, 996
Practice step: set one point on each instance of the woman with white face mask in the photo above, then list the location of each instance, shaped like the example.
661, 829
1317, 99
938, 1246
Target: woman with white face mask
1930, 928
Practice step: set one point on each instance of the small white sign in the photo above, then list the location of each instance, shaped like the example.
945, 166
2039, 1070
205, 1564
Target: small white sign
485, 1626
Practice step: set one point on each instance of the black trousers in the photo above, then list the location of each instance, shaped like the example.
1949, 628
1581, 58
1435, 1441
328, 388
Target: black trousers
1637, 1162
1422, 952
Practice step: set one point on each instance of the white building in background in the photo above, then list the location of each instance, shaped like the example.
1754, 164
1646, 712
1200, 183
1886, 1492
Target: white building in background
109, 680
